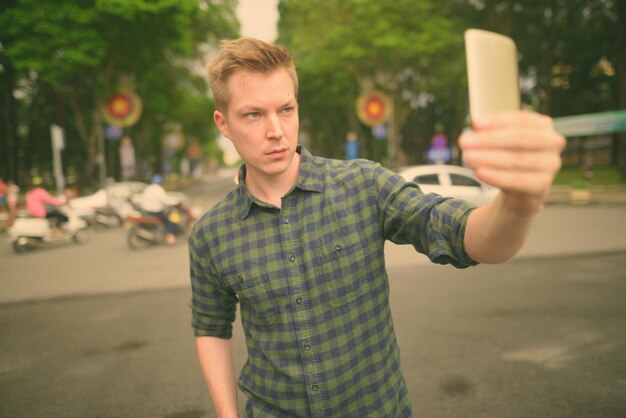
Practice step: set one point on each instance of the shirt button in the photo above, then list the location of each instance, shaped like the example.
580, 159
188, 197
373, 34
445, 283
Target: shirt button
315, 388
307, 346
292, 258
298, 300
285, 220
338, 247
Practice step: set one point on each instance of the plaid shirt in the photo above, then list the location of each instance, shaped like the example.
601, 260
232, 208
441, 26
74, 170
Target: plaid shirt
310, 278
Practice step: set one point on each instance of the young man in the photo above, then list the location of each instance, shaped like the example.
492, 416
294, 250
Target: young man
299, 244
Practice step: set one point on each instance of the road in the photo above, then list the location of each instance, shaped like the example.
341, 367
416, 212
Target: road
99, 331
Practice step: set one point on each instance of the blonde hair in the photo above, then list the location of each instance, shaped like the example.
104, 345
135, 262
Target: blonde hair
247, 54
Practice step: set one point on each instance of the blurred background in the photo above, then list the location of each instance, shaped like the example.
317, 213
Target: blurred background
125, 79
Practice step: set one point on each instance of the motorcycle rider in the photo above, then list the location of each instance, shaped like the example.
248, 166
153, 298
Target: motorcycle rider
156, 202
40, 204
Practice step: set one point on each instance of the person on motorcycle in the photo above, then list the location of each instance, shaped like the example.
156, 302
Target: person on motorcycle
40, 204
155, 201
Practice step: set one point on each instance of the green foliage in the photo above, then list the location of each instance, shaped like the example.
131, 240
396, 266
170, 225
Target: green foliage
561, 43
414, 50
53, 39
65, 58
602, 176
409, 49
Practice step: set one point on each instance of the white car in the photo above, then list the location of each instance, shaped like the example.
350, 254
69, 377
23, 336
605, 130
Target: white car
450, 181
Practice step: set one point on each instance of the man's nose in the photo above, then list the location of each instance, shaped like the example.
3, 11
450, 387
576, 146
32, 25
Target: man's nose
274, 127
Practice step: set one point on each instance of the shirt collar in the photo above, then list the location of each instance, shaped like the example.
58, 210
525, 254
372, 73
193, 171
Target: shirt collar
309, 179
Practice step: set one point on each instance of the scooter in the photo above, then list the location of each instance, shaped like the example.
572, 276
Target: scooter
29, 233
147, 230
106, 217
100, 210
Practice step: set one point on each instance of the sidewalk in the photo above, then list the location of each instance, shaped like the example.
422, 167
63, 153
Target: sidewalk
603, 195
559, 230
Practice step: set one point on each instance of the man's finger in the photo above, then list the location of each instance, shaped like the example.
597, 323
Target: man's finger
524, 182
526, 118
515, 161
513, 138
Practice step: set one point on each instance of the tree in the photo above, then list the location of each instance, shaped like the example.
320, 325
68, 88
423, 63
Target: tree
620, 45
571, 58
561, 43
407, 48
71, 55
572, 52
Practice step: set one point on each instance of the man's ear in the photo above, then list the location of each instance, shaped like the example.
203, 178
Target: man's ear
222, 125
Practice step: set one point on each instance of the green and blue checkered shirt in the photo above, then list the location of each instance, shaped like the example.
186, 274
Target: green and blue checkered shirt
311, 282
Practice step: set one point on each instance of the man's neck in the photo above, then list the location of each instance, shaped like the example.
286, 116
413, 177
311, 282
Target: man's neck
271, 189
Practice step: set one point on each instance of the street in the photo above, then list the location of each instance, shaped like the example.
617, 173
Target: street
96, 330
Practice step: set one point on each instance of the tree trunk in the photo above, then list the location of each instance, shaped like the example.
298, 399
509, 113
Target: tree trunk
8, 138
89, 137
621, 80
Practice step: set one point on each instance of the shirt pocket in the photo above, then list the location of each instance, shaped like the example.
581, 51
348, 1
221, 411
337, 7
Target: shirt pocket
343, 264
257, 301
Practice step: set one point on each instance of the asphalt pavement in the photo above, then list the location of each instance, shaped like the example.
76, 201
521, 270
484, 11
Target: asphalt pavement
536, 337
540, 336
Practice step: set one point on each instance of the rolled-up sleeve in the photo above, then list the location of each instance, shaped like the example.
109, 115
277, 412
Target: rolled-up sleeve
213, 307
433, 224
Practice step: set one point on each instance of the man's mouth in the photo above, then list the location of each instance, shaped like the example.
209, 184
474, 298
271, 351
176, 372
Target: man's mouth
277, 153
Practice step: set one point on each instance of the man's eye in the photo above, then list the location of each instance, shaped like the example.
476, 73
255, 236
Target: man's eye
288, 109
252, 115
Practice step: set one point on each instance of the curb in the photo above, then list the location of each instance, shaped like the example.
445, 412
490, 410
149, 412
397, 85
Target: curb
608, 195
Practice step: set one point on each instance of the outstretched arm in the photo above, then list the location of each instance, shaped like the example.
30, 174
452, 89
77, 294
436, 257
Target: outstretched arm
49, 199
216, 362
518, 152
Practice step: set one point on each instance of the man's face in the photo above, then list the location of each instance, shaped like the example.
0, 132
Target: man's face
262, 121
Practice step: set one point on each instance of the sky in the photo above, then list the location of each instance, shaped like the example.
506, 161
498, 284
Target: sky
258, 18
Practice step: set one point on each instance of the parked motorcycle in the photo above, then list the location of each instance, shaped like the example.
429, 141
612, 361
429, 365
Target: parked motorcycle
100, 210
148, 230
29, 233
106, 217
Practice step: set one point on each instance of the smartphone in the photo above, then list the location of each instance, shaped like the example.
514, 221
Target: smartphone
492, 73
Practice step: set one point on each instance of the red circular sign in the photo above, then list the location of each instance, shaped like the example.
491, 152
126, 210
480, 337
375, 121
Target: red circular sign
119, 105
194, 151
373, 107
122, 109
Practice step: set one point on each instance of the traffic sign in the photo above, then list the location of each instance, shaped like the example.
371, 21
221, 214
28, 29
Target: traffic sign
173, 141
194, 151
123, 109
438, 155
373, 107
379, 131
439, 141
113, 132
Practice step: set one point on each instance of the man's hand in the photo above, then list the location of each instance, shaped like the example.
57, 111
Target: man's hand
517, 152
